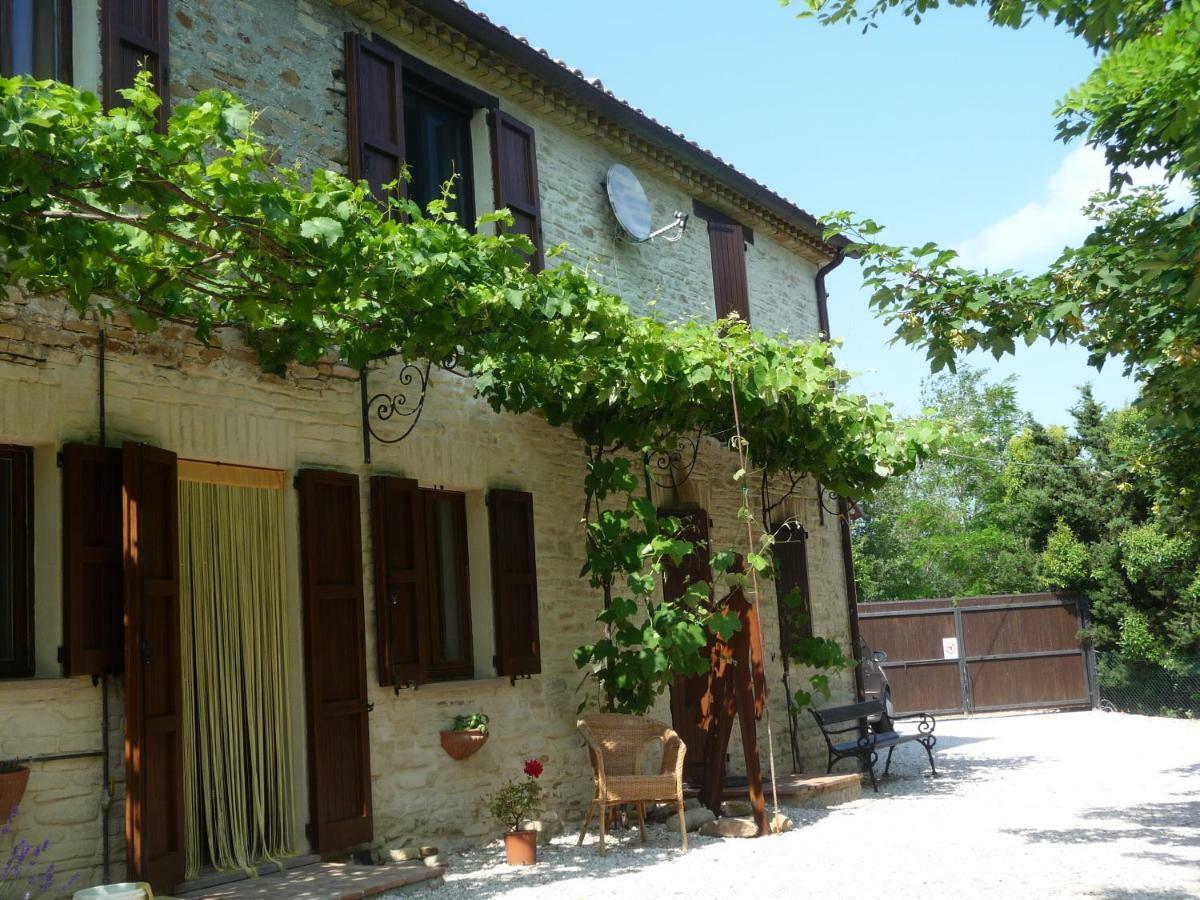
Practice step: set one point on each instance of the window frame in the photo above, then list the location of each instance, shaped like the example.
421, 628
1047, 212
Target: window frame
435, 92
64, 69
23, 662
439, 668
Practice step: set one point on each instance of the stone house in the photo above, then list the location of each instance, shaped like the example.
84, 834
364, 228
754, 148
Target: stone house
392, 583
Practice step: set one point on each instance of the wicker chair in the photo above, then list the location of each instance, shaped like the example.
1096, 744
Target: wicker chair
617, 745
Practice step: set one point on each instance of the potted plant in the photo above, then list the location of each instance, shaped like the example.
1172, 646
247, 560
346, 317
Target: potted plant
13, 779
513, 804
469, 733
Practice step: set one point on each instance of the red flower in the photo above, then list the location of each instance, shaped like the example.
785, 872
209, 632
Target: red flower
534, 768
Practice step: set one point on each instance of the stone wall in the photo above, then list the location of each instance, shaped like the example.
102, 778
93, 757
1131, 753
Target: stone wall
297, 83
213, 403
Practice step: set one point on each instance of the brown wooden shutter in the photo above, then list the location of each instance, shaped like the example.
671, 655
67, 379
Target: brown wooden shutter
688, 693
135, 33
514, 170
335, 666
93, 561
727, 246
374, 112
153, 694
678, 578
401, 580
514, 583
791, 573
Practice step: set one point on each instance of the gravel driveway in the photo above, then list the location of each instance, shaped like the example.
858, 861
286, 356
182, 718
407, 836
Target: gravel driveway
1083, 804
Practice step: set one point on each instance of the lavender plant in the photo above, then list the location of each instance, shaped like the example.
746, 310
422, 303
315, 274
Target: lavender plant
26, 874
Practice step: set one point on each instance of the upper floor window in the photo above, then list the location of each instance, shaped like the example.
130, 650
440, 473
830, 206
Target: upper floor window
402, 111
727, 242
437, 148
16, 561
35, 38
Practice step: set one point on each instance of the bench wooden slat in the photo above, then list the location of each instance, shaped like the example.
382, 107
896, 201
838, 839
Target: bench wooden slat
832, 715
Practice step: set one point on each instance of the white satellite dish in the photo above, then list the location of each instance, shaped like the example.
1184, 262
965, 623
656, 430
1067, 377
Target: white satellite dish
629, 204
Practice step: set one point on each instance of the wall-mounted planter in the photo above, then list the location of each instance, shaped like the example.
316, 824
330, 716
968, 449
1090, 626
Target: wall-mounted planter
12, 789
461, 744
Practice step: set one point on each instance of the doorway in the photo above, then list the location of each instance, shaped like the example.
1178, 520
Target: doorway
237, 735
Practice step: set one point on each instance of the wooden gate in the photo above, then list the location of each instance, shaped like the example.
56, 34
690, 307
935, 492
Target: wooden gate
983, 654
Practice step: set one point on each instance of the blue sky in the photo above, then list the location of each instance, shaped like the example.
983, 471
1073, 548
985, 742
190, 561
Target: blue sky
941, 131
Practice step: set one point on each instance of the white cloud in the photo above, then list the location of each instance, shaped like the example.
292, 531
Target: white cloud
1032, 236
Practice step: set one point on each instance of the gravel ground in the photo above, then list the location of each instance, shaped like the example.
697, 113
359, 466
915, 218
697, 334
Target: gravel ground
1083, 804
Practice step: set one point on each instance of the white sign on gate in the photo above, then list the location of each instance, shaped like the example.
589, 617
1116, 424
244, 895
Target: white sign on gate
950, 648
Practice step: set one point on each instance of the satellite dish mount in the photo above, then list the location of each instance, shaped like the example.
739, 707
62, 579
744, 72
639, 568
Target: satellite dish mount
629, 204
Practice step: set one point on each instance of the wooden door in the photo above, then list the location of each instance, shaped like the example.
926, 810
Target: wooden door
153, 696
690, 713
335, 665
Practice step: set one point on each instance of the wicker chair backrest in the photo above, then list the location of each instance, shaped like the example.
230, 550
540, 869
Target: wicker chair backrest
622, 739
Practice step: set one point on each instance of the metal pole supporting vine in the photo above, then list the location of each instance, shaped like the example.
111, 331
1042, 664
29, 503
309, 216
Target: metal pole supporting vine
737, 426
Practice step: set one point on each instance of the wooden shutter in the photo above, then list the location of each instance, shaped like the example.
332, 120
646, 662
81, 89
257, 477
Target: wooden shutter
514, 170
727, 246
153, 694
374, 112
791, 573
335, 667
514, 583
135, 33
93, 560
688, 694
401, 580
678, 578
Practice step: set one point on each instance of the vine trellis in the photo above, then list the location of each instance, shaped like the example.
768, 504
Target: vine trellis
198, 224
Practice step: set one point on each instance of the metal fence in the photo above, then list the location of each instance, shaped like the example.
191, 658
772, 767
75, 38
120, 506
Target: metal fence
1149, 689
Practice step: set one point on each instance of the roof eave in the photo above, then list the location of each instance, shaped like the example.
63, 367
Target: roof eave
502, 41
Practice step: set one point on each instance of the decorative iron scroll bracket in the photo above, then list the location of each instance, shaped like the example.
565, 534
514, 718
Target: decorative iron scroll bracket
404, 406
827, 502
835, 501
670, 468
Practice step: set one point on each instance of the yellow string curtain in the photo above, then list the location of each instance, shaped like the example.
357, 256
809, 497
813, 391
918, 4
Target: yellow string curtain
237, 724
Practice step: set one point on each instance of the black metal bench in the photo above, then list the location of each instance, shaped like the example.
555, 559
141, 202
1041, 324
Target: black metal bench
869, 742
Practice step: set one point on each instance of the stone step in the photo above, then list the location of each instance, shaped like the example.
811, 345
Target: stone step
324, 881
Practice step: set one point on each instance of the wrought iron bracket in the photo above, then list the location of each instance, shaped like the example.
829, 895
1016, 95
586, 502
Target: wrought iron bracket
836, 504
827, 502
671, 467
405, 406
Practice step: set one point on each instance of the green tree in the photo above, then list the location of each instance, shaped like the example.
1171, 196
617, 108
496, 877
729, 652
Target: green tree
1131, 291
1051, 509
938, 531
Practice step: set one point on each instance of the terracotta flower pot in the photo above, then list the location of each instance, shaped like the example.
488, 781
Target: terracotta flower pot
520, 847
12, 789
461, 744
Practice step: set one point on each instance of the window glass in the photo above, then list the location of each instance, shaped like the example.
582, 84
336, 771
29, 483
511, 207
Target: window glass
16, 595
29, 38
8, 560
437, 147
446, 548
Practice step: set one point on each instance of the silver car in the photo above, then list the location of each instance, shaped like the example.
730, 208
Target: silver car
875, 684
